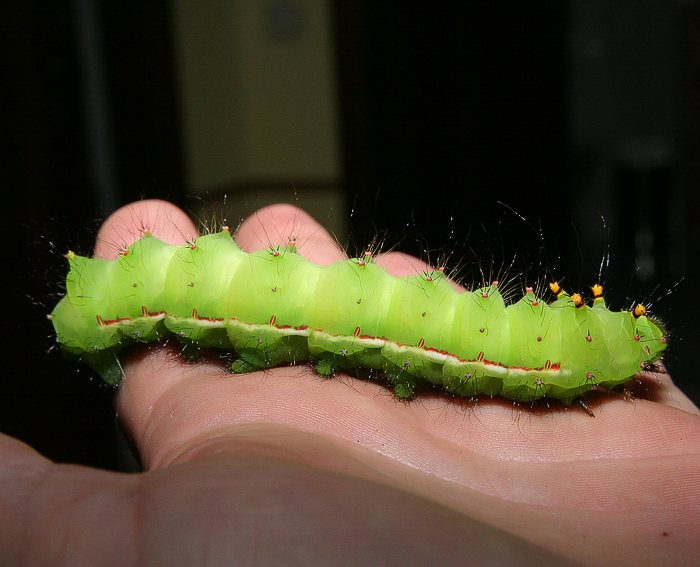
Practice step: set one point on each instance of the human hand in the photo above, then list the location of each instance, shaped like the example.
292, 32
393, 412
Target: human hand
284, 467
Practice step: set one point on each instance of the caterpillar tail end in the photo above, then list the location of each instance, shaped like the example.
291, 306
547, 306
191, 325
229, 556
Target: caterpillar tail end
106, 364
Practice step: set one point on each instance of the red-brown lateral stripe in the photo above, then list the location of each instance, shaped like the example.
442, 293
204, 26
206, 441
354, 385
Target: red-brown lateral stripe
548, 366
438, 351
115, 321
553, 366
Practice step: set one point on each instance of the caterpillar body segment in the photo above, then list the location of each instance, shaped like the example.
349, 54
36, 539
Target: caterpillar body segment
274, 307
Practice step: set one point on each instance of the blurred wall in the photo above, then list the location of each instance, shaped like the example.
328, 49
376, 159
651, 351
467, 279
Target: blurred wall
258, 102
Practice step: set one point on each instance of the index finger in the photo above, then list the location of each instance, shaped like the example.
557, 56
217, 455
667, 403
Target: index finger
160, 218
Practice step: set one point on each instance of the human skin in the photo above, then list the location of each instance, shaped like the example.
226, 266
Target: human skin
284, 467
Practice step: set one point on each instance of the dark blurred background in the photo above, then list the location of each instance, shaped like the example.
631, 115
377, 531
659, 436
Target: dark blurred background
558, 133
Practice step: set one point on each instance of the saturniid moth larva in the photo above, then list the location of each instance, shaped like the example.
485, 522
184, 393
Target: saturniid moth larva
274, 307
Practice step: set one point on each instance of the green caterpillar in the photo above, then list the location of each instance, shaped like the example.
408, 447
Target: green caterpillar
274, 307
